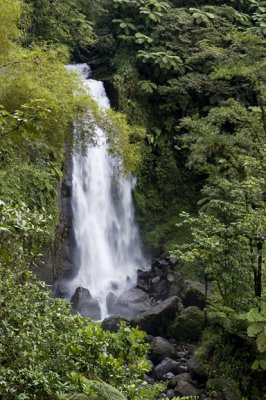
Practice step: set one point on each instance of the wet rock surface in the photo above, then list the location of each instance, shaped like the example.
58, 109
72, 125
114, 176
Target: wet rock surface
162, 348
130, 303
84, 304
163, 280
194, 295
183, 374
187, 326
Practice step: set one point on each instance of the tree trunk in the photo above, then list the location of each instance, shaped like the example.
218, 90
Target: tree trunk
258, 272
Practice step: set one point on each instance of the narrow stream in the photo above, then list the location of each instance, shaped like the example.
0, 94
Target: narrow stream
108, 245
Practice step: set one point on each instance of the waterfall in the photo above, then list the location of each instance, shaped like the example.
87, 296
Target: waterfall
108, 249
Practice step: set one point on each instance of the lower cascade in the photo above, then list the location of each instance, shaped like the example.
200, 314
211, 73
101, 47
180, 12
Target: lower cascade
108, 249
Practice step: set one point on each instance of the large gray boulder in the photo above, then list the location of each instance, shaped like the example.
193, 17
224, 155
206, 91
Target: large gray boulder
188, 326
161, 348
156, 320
167, 365
84, 304
130, 303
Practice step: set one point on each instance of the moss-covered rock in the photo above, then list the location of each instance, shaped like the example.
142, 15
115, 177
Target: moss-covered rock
188, 325
101, 391
222, 389
194, 295
156, 320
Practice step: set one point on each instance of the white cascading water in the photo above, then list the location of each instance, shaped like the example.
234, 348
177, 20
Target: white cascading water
108, 244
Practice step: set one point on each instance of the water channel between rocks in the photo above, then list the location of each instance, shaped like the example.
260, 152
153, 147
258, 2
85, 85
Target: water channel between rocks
108, 249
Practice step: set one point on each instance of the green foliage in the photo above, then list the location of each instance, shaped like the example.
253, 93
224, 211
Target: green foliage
256, 319
164, 60
184, 65
97, 390
229, 232
231, 355
59, 22
39, 100
191, 80
125, 141
9, 13
45, 350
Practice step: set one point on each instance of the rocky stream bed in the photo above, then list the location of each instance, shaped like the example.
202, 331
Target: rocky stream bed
171, 310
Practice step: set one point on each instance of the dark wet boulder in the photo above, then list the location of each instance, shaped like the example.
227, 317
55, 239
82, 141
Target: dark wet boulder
188, 326
84, 304
156, 320
81, 295
160, 288
161, 263
197, 369
168, 376
161, 348
180, 377
167, 365
184, 388
112, 324
194, 295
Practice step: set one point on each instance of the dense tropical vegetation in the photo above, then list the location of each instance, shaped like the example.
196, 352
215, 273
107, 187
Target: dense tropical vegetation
189, 82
